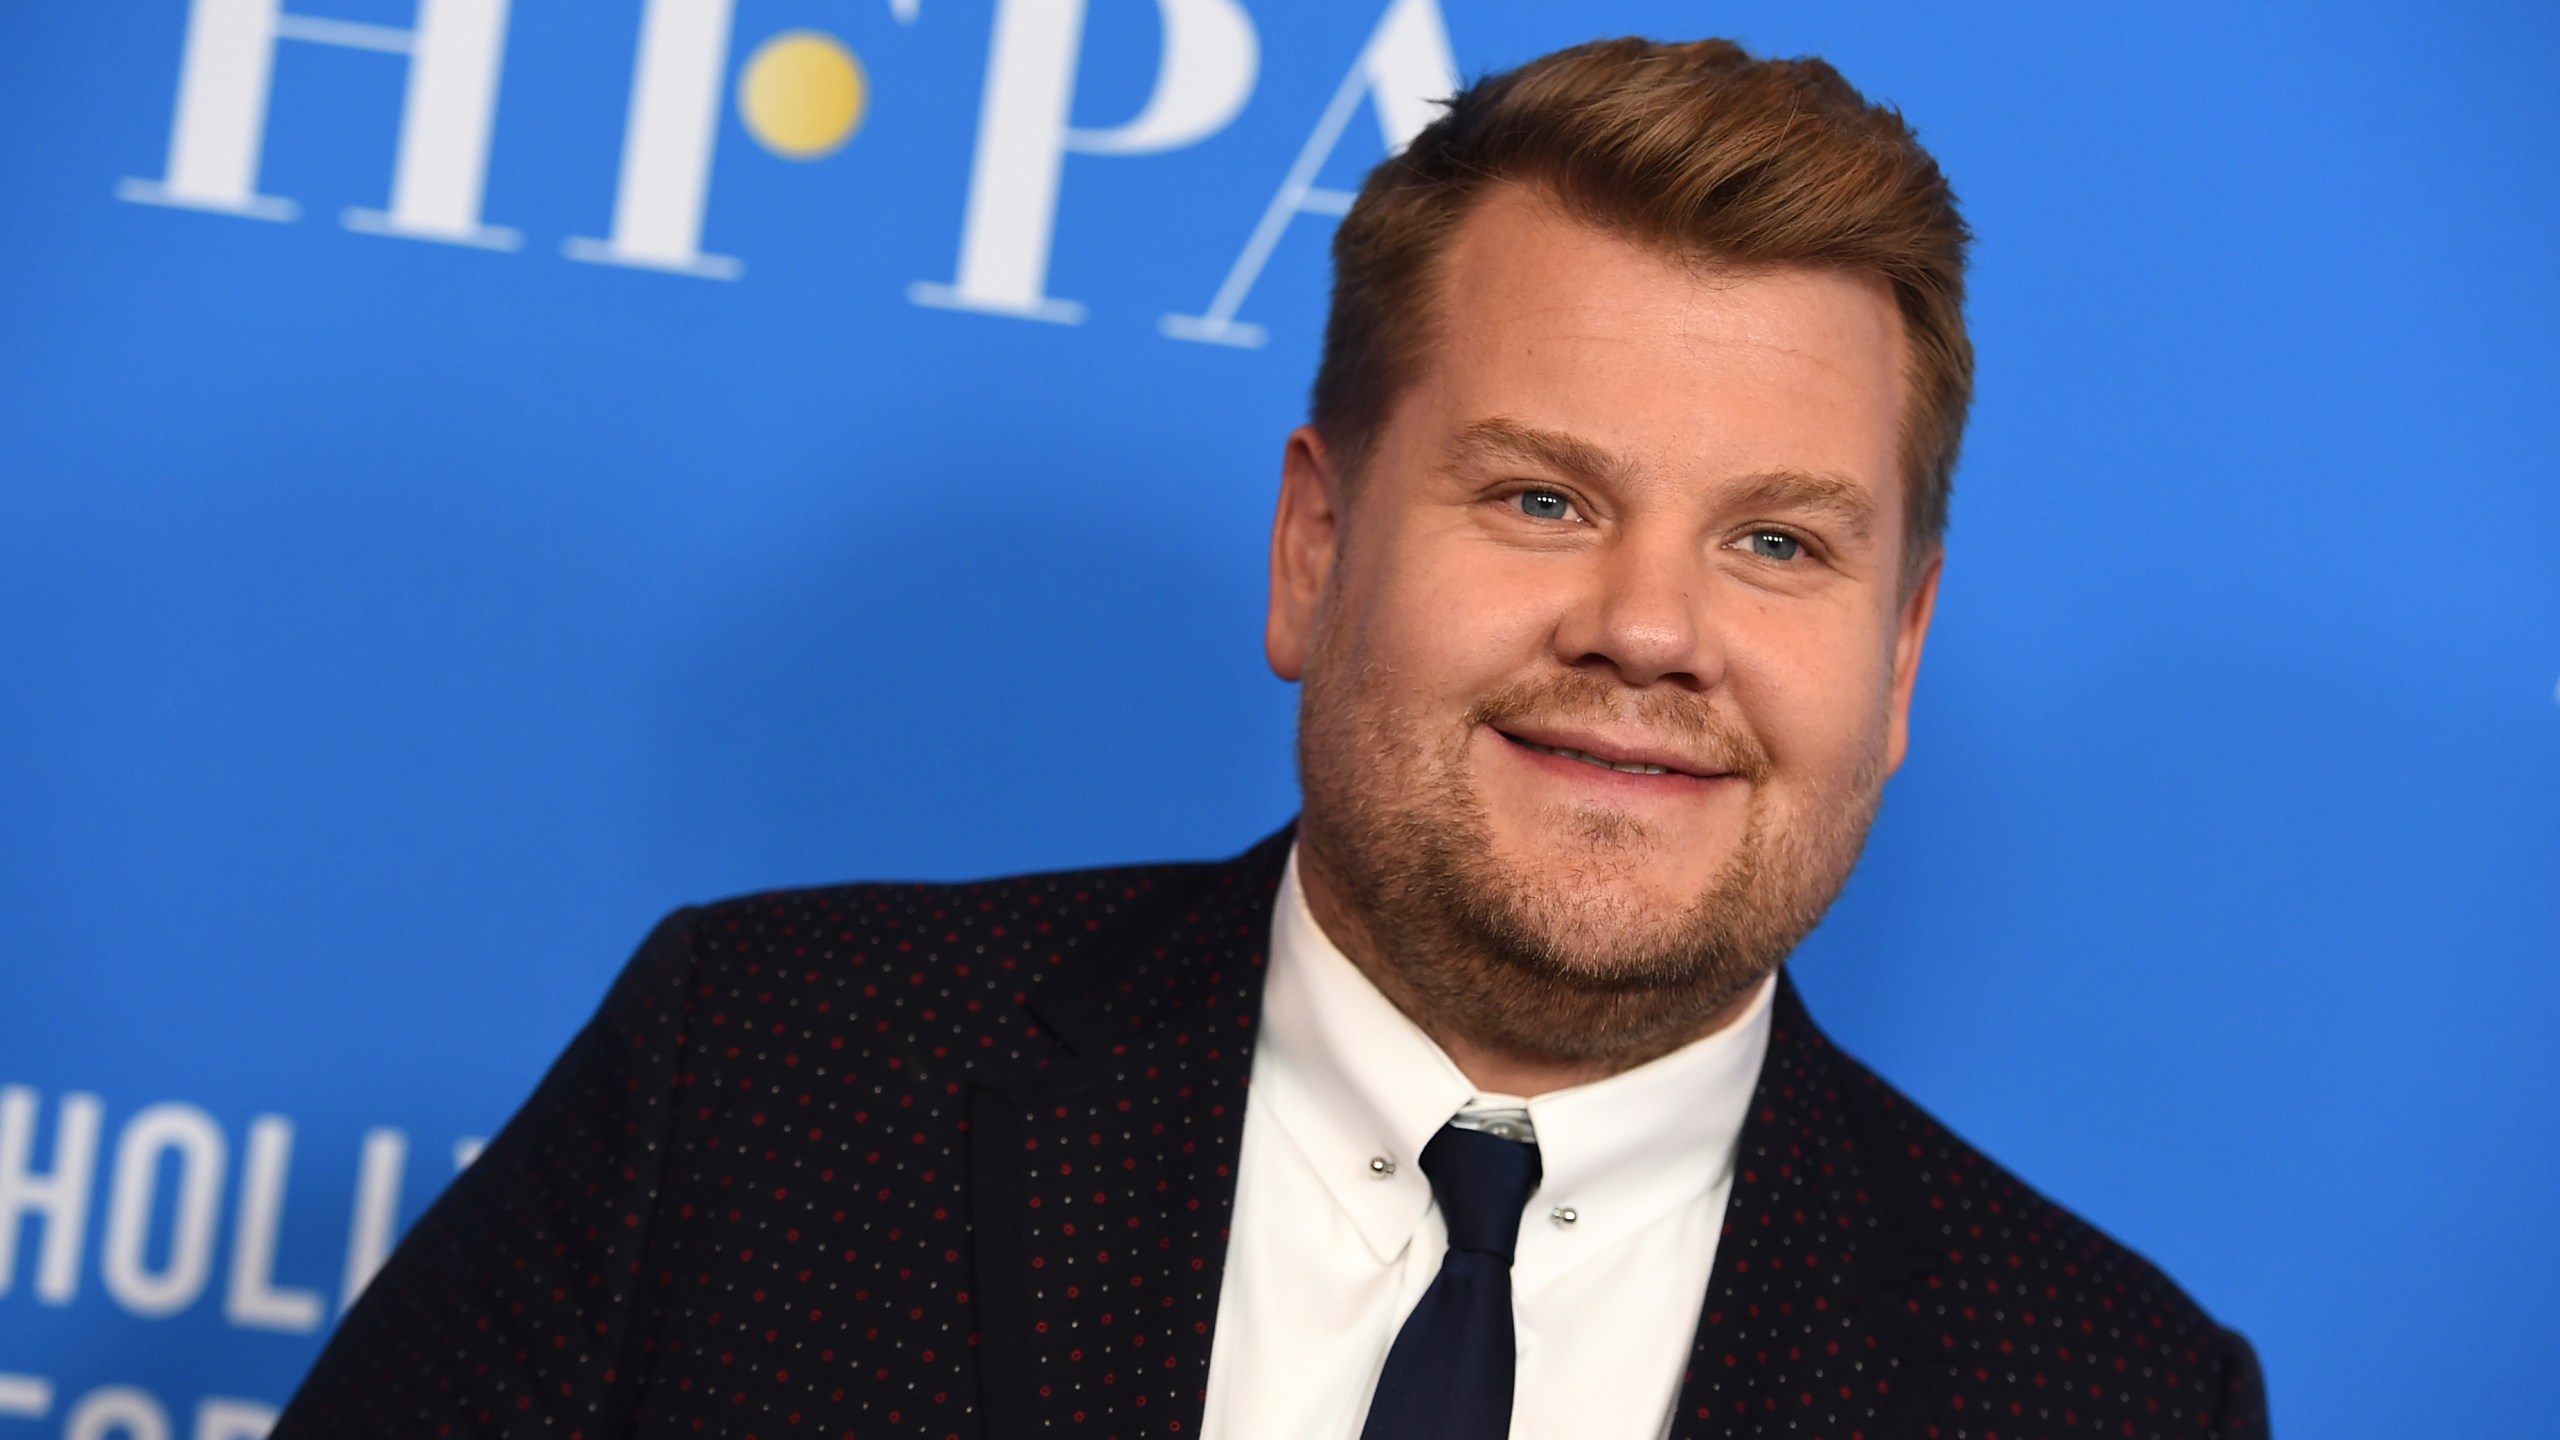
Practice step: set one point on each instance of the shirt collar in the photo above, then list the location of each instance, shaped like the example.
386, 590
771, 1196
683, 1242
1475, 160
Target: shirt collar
1360, 1089
1357, 1085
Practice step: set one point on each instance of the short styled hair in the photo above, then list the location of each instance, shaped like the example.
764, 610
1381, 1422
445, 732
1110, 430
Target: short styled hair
1699, 150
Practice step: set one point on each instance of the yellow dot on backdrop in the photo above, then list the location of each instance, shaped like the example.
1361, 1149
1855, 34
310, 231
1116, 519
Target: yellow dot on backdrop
803, 94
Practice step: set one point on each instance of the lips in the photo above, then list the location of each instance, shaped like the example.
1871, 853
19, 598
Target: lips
1623, 759
1629, 767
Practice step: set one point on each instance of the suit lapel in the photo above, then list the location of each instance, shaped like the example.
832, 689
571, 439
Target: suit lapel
1805, 1315
1104, 1172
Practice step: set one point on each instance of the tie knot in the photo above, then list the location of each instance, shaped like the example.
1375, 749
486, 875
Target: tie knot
1482, 1182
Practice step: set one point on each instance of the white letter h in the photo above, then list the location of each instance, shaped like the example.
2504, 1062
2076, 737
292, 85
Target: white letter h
219, 134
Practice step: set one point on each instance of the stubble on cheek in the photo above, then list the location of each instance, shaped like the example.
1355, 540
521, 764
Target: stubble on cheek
1579, 956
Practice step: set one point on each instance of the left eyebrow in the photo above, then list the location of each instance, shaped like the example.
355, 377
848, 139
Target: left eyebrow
1849, 505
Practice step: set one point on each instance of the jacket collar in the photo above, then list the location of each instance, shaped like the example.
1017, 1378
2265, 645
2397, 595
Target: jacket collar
1809, 1309
1105, 1168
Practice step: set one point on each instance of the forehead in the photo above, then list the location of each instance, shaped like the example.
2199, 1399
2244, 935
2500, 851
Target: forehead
1680, 369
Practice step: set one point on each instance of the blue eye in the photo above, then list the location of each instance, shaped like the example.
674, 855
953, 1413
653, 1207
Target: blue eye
1545, 505
1775, 545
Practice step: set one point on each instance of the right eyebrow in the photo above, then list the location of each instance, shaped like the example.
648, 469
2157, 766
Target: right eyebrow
1500, 438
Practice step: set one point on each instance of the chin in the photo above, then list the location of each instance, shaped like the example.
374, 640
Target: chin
1613, 861
1599, 917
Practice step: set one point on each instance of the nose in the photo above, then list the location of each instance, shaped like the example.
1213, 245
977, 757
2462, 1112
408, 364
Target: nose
1639, 615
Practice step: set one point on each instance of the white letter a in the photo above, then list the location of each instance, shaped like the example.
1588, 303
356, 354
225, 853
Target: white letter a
1407, 72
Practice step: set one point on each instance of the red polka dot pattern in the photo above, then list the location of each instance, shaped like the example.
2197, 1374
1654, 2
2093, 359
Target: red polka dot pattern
957, 1161
1878, 1277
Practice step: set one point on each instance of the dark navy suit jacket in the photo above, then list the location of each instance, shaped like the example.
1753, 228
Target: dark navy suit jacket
957, 1161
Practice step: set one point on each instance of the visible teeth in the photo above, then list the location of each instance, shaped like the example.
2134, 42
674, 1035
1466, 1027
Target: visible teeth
1628, 768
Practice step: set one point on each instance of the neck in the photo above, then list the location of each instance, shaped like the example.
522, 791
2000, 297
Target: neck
1490, 1067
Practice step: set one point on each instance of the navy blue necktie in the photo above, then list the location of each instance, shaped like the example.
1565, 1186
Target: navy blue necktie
1448, 1375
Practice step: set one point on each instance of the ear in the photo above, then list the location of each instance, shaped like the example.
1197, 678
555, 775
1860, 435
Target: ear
1910, 634
1304, 535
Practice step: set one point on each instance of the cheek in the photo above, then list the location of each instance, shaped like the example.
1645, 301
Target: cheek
1441, 625
1814, 694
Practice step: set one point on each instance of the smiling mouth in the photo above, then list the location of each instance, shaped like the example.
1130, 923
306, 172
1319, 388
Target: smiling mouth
1623, 767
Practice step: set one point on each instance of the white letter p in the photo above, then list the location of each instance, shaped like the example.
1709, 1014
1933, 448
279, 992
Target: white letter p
1206, 74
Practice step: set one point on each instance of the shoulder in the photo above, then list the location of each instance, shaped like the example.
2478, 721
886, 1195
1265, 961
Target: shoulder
2032, 1302
1015, 924
935, 916
884, 965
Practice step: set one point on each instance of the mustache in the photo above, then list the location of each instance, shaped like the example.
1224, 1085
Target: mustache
1703, 733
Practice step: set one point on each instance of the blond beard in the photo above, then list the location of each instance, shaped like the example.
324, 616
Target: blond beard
1564, 965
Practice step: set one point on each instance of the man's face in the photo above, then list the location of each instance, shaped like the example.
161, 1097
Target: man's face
1608, 649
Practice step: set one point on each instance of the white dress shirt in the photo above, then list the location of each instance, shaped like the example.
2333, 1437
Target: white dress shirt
1335, 1235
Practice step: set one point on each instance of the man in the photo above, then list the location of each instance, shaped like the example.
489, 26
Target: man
1606, 563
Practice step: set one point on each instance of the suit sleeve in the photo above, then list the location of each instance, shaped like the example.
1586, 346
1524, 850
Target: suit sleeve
515, 1306
2241, 1412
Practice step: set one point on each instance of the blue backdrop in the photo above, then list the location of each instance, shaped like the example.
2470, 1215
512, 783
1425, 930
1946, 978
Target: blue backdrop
473, 478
